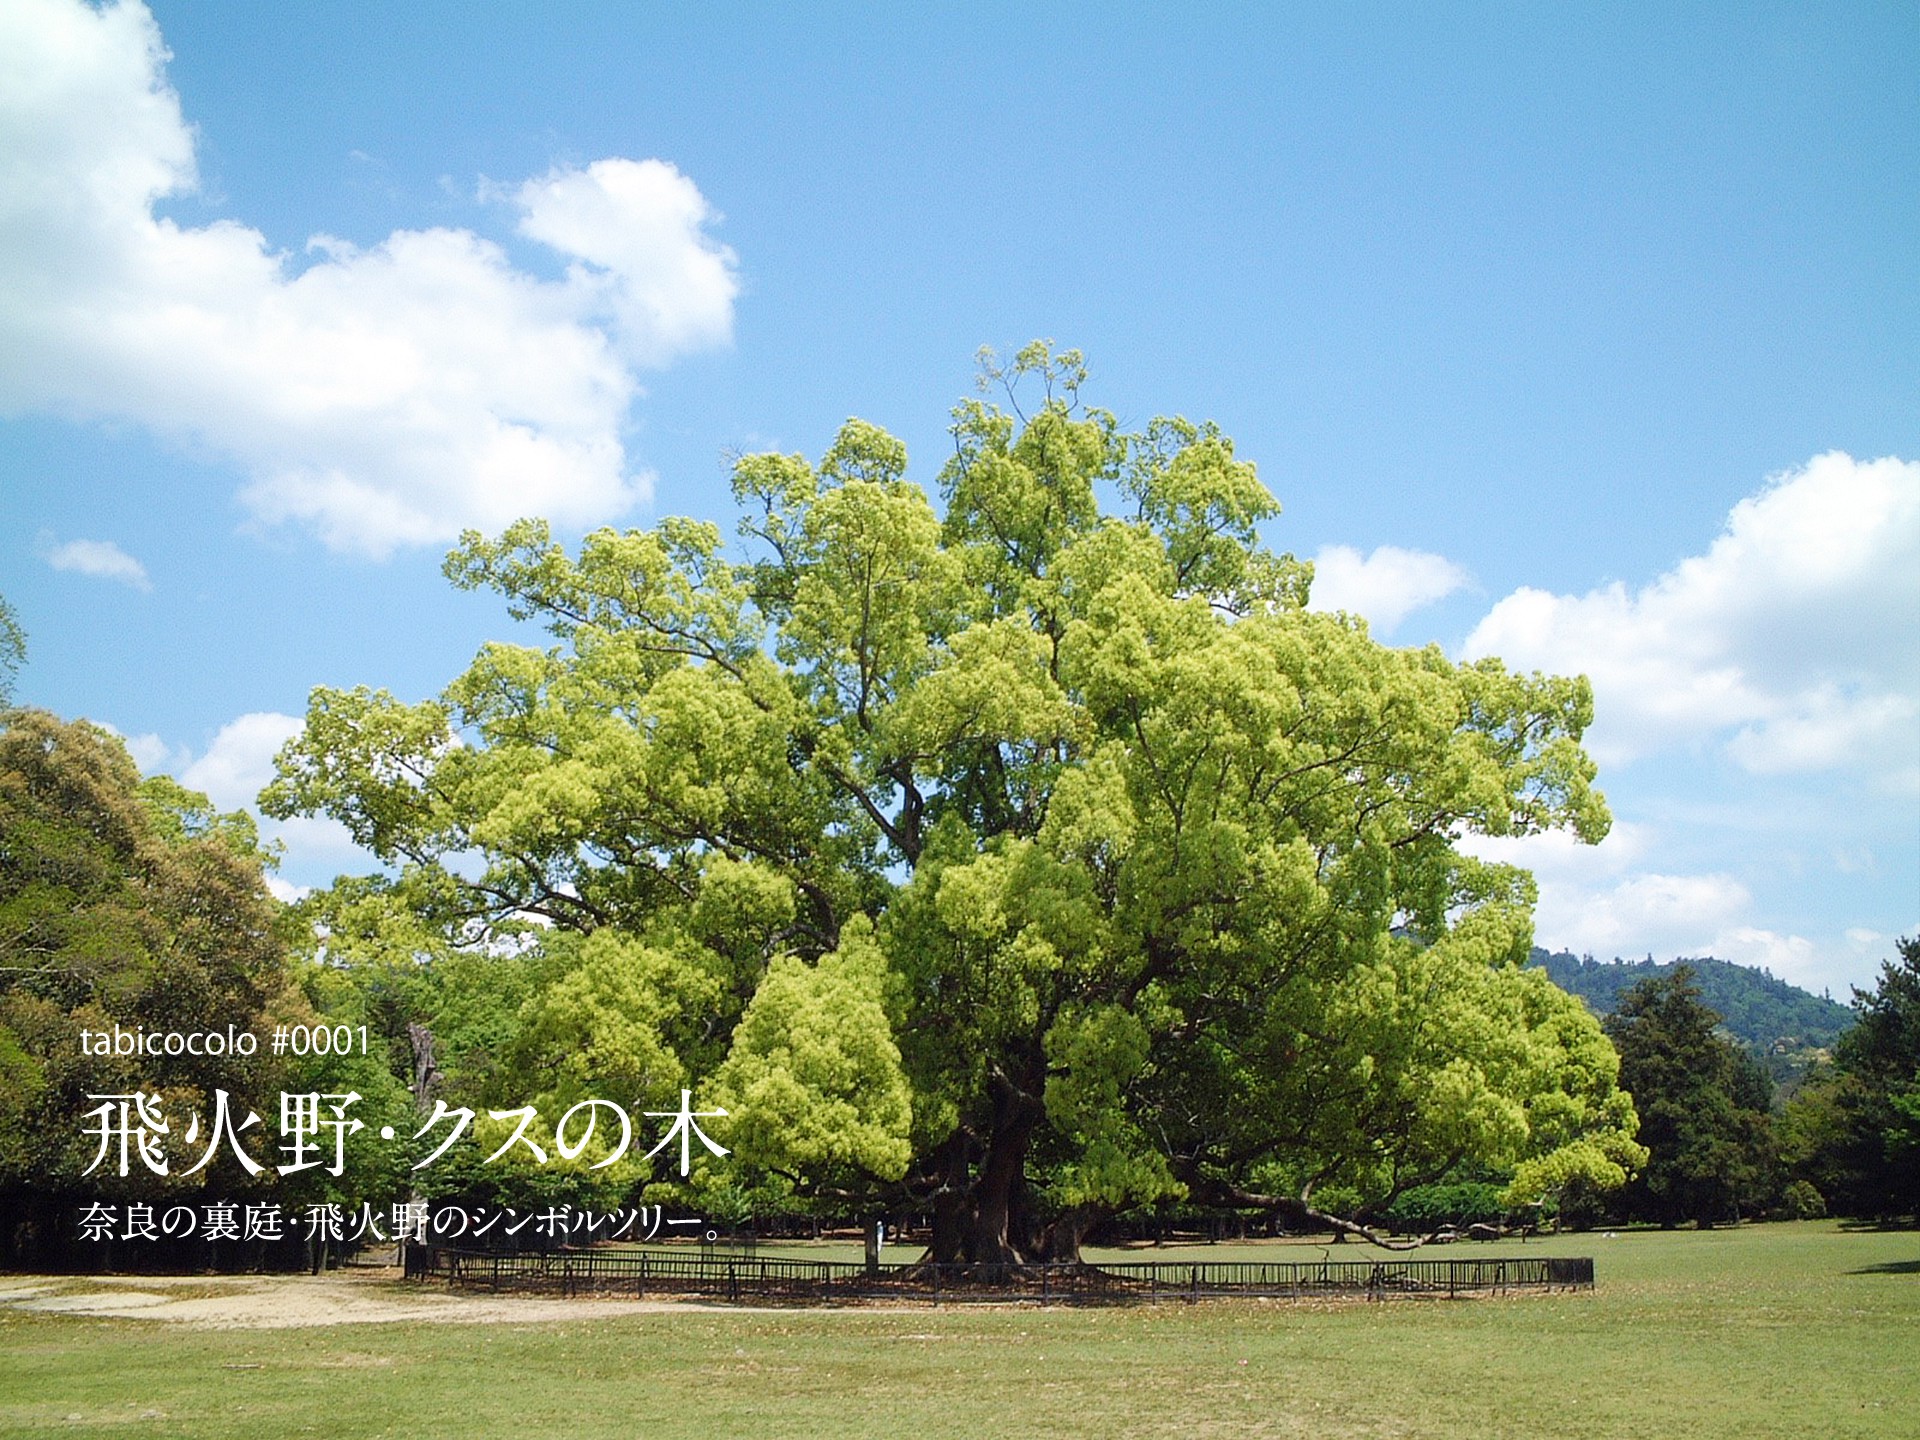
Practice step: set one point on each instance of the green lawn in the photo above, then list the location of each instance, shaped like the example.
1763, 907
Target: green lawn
1782, 1330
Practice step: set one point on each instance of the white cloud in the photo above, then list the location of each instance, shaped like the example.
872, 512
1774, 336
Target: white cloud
1791, 642
233, 770
1825, 729
638, 233
1855, 860
1791, 957
1596, 899
381, 397
149, 751
238, 764
1386, 586
101, 559
285, 891
1601, 900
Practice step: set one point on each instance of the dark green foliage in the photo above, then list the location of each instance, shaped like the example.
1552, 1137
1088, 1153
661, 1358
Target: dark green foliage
1758, 1009
122, 902
1703, 1104
1854, 1131
133, 903
1459, 1204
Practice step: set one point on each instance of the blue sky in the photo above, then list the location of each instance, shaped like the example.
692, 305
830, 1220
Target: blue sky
1588, 340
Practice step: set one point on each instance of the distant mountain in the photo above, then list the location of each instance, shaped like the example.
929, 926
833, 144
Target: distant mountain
1763, 1012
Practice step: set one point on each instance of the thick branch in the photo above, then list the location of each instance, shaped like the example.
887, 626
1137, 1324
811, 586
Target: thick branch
1301, 1208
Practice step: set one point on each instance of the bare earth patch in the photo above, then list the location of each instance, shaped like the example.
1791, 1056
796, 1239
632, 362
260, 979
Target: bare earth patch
277, 1302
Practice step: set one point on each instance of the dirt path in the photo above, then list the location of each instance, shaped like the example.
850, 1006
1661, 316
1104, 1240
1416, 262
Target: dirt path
274, 1302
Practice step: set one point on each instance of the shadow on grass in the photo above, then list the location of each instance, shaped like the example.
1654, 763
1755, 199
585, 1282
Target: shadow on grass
1892, 1267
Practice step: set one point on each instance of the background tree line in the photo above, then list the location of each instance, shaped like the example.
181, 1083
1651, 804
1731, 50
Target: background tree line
131, 903
1720, 1149
1786, 1028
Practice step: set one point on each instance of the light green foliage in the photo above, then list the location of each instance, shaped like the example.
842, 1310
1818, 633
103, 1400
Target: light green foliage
600, 1027
813, 1084
1159, 866
1095, 1057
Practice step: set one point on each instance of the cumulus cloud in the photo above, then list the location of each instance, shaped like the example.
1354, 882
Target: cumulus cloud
637, 230
382, 396
1386, 586
238, 764
1599, 900
1791, 643
102, 559
233, 770
149, 751
285, 891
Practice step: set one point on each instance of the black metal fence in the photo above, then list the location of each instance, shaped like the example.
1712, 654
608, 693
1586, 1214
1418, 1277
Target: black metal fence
736, 1278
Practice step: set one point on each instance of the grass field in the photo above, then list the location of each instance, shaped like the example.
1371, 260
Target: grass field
1781, 1330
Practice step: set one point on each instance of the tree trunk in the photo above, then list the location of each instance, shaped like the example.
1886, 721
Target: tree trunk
993, 1241
987, 1223
952, 1203
1060, 1241
426, 1070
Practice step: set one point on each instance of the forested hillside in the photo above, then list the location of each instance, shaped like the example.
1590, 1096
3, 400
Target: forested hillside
1760, 1010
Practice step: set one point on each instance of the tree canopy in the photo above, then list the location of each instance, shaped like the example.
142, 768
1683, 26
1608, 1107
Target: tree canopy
1703, 1102
1022, 859
1854, 1131
134, 904
122, 902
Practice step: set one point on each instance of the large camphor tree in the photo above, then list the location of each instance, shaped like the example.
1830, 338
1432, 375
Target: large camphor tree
1008, 860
